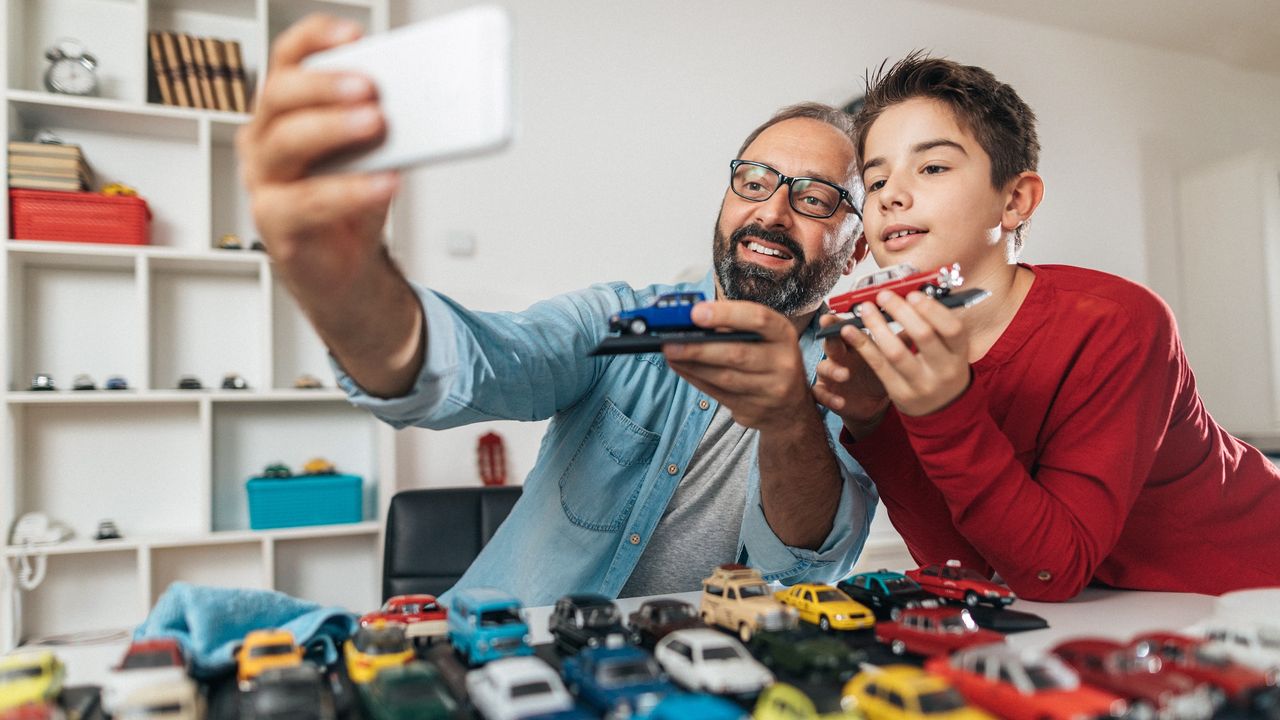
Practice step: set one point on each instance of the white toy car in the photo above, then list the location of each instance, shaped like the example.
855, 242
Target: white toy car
123, 684
177, 700
517, 687
708, 660
1248, 642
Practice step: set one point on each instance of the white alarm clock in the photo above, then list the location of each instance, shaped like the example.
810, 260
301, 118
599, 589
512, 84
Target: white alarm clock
72, 70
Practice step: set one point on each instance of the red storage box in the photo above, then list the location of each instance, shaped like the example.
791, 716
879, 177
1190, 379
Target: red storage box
79, 217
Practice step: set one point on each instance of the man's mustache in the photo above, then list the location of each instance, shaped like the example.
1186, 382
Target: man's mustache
776, 237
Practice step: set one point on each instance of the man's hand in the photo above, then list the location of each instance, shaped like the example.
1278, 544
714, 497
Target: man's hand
763, 384
922, 380
325, 233
847, 385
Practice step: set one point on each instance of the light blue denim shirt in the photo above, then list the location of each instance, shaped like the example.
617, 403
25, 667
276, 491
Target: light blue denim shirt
622, 431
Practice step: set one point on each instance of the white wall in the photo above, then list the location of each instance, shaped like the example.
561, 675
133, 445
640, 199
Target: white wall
674, 86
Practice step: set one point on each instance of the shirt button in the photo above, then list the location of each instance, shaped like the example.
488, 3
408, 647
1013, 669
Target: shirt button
635, 538
672, 469
1044, 576
703, 404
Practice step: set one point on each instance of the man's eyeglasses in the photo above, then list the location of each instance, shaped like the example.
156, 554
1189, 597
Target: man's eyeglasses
816, 198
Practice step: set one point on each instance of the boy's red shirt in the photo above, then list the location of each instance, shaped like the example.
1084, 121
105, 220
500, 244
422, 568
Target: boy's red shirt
1081, 452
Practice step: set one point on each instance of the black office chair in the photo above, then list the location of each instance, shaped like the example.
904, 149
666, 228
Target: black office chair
434, 534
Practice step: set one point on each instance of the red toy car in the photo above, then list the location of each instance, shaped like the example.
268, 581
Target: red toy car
959, 583
1110, 666
901, 279
1023, 686
1190, 656
934, 631
422, 616
153, 653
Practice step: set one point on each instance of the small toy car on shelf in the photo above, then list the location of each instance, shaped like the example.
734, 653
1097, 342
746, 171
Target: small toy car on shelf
486, 624
668, 313
1140, 679
933, 631
288, 692
375, 647
277, 470
954, 582
903, 692
710, 661
117, 189
660, 616
517, 687
414, 690
307, 382
233, 381
736, 598
189, 382
422, 615
116, 382
265, 649
887, 593
229, 241
107, 531
620, 682
83, 381
318, 466
585, 620
805, 656
30, 677
827, 607
42, 381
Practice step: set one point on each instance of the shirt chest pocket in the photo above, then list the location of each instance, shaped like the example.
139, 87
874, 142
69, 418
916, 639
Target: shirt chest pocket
600, 484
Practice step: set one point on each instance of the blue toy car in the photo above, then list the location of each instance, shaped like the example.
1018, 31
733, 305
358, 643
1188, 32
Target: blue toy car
668, 313
617, 681
697, 705
486, 624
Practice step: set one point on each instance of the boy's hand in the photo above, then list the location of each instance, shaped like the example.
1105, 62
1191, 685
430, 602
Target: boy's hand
762, 383
936, 373
847, 385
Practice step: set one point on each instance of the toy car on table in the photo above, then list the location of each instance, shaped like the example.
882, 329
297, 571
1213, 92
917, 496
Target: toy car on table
656, 618
954, 582
1139, 678
585, 620
827, 607
902, 279
710, 661
887, 593
933, 631
423, 616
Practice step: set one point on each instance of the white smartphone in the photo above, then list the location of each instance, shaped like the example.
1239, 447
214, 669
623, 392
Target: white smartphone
444, 86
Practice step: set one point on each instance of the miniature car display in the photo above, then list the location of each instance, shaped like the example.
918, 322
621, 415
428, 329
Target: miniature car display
903, 692
736, 598
486, 624
804, 655
585, 620
620, 681
288, 692
933, 631
667, 313
233, 381
827, 607
954, 582
83, 381
414, 691
708, 660
886, 593
375, 647
189, 382
265, 649
277, 470
517, 687
1110, 666
30, 678
42, 381
1200, 661
318, 466
1023, 685
655, 618
901, 279
307, 382
116, 382
781, 701
422, 615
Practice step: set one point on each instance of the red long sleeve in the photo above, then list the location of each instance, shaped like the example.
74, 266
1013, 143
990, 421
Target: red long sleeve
1081, 452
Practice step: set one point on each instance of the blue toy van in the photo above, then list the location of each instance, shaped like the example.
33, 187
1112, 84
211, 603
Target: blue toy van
486, 624
668, 313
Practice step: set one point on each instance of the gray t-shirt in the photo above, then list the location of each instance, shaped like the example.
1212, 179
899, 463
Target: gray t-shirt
700, 527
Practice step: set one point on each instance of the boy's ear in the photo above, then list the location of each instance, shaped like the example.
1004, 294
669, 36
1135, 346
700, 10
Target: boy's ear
860, 248
1025, 193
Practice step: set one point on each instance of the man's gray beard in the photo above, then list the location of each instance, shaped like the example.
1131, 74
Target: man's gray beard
787, 292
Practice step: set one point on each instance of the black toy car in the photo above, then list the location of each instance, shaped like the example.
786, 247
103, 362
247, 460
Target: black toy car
189, 382
657, 618
233, 381
804, 655
586, 620
277, 470
286, 693
42, 381
887, 593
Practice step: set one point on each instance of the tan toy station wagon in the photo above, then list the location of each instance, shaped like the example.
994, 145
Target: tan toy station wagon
735, 597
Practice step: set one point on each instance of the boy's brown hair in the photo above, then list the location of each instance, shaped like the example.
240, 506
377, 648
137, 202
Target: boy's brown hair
1001, 122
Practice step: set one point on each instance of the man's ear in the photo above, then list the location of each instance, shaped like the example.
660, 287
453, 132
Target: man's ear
1025, 193
860, 248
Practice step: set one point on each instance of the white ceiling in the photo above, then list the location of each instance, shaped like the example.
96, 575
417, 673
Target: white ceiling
1245, 33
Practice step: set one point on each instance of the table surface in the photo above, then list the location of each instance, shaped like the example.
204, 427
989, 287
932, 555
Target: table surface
1116, 614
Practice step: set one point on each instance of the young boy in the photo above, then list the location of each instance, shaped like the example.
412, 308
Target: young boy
1052, 434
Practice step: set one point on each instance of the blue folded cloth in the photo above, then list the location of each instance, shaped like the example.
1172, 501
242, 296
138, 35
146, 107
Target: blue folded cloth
210, 622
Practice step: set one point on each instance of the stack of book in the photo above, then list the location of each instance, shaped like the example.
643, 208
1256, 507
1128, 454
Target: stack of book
48, 166
196, 72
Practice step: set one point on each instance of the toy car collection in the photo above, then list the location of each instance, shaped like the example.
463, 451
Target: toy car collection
954, 582
1138, 678
1243, 686
903, 692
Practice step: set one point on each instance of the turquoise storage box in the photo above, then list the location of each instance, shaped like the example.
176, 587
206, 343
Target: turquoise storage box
305, 500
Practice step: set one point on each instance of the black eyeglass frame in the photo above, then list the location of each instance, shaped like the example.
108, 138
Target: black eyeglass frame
787, 180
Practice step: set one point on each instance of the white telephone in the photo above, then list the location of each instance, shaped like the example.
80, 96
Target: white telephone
35, 528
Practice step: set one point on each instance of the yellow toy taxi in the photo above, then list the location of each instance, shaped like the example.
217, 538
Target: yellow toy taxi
33, 677
903, 692
376, 647
827, 607
781, 701
265, 649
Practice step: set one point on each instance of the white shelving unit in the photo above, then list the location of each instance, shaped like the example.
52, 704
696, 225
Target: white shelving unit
167, 466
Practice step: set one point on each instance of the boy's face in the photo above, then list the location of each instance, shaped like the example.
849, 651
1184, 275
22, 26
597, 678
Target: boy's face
929, 196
